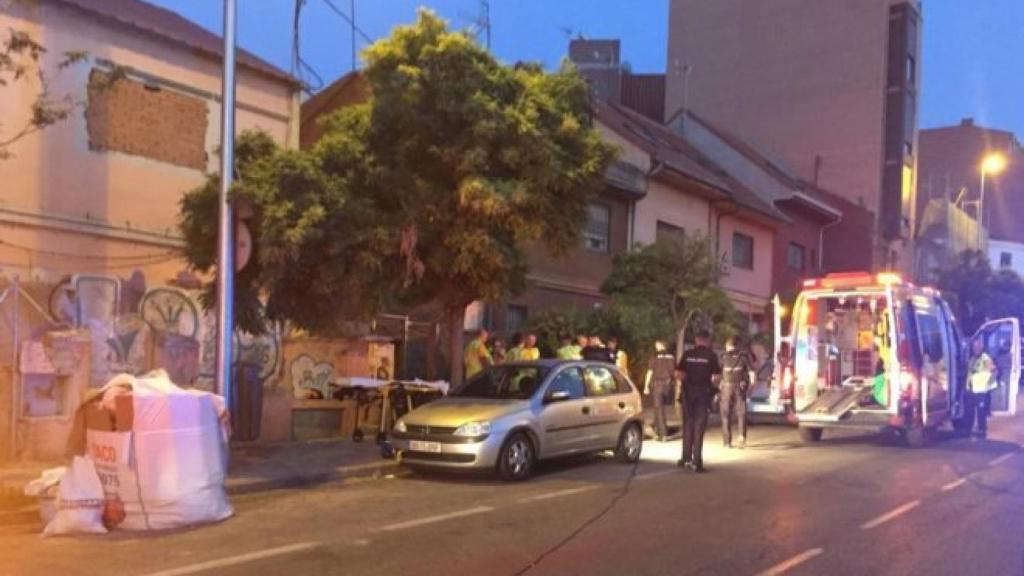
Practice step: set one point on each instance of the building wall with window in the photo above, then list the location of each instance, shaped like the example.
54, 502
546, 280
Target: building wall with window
98, 193
828, 88
745, 251
667, 206
1006, 255
573, 280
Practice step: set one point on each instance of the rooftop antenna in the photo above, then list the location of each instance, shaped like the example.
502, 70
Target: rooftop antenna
481, 23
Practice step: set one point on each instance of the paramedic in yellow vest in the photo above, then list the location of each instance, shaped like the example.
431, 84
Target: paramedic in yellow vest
477, 356
981, 381
530, 350
568, 350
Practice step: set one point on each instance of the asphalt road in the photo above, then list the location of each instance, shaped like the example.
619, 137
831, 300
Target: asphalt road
853, 504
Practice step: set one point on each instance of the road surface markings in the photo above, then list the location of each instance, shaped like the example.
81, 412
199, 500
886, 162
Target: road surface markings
793, 562
557, 494
433, 519
890, 515
1002, 459
235, 560
954, 485
650, 475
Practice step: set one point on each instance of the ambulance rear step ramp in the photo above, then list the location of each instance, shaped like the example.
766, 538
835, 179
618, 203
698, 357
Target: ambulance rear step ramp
832, 405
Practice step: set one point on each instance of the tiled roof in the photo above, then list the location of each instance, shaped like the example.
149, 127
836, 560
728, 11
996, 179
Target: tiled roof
801, 190
153, 20
665, 146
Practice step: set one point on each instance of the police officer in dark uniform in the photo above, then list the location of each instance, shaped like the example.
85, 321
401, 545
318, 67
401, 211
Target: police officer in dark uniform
700, 371
737, 368
658, 383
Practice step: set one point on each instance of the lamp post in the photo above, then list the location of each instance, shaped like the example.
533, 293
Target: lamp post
226, 221
993, 163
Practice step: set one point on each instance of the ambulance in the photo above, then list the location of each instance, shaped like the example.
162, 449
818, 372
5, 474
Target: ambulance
872, 351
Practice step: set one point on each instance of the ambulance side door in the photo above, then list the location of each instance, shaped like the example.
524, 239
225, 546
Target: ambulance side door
1002, 344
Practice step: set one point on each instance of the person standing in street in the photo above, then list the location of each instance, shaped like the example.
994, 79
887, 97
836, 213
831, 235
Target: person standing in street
699, 370
981, 381
476, 356
620, 357
596, 351
530, 350
567, 350
658, 384
737, 375
498, 350
515, 353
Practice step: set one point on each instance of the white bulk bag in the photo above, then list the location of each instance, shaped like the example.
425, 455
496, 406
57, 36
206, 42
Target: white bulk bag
169, 471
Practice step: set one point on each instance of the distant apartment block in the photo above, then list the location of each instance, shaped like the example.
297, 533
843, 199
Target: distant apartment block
828, 88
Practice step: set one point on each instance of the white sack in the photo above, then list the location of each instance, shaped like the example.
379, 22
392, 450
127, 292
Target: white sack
79, 501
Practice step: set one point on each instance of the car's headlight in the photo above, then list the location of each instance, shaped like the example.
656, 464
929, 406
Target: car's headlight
474, 429
400, 426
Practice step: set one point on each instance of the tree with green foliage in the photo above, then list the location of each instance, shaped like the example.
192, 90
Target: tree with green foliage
977, 293
658, 289
426, 194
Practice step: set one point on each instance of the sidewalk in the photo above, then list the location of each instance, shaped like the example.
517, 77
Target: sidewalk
254, 467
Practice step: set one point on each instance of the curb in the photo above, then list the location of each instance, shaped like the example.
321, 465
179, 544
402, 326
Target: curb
368, 470
25, 514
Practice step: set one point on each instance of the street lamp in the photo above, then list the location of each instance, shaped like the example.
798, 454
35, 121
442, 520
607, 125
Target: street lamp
993, 164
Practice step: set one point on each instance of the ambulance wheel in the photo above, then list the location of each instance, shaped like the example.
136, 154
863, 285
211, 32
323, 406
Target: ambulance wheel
808, 434
917, 437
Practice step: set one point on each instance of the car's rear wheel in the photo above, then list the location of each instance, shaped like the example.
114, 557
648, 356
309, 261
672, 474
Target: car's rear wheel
631, 442
808, 434
517, 458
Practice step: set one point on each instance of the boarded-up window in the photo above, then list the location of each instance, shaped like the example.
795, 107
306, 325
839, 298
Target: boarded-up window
133, 118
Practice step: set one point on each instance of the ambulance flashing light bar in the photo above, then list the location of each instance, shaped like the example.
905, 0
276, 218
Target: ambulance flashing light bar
858, 280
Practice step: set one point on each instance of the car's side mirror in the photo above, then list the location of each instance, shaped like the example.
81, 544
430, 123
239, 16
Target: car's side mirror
556, 396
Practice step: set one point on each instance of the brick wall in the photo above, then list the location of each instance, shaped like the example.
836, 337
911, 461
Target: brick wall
129, 117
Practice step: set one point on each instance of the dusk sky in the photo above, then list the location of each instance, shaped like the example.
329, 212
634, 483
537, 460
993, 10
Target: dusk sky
973, 49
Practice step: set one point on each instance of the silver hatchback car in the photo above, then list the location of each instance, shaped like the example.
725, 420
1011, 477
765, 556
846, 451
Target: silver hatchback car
511, 415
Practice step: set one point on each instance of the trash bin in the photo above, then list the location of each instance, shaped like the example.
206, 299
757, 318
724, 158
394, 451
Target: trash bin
247, 409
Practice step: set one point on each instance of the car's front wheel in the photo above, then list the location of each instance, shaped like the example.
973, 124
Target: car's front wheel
517, 458
631, 442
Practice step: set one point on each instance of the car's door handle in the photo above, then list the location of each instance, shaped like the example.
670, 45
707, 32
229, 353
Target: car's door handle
586, 409
622, 405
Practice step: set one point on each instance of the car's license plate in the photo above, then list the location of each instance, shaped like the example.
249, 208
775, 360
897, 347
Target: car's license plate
420, 446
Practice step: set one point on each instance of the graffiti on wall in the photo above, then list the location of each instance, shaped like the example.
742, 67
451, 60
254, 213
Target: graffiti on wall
121, 335
307, 375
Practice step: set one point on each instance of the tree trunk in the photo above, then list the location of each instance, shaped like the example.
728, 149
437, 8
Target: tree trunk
432, 346
454, 320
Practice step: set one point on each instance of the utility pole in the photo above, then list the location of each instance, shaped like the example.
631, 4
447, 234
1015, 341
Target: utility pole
226, 221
